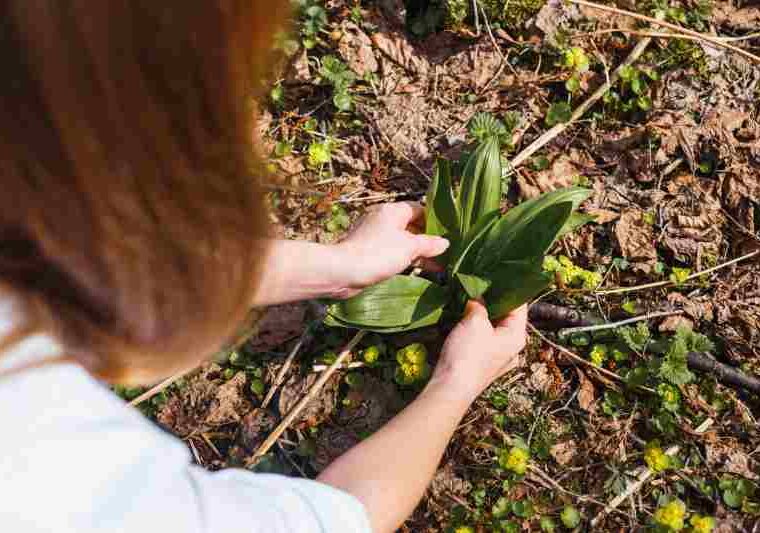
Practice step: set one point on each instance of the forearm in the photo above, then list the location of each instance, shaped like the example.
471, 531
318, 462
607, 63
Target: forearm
390, 471
300, 270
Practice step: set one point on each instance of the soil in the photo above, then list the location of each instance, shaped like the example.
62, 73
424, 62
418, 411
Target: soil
676, 185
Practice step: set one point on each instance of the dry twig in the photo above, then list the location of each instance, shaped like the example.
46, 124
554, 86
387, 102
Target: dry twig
303, 402
717, 41
550, 134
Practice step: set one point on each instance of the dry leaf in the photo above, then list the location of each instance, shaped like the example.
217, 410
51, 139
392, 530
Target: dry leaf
586, 392
318, 409
281, 323
356, 49
603, 216
563, 452
672, 323
562, 172
636, 239
396, 46
540, 379
724, 457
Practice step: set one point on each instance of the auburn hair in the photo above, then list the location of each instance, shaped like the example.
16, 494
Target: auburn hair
131, 226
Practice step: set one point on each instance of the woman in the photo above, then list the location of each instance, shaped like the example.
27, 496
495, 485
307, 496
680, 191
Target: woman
132, 245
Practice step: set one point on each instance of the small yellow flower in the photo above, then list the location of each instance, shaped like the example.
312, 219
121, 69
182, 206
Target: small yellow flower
464, 529
412, 364
671, 515
414, 354
702, 524
516, 460
598, 354
655, 458
371, 354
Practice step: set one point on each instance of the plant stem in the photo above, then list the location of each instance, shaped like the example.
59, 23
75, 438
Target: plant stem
612, 325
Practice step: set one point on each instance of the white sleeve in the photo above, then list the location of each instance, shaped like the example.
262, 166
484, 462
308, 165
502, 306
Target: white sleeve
74, 458
235, 500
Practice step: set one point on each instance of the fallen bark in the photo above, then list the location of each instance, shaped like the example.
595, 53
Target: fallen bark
552, 317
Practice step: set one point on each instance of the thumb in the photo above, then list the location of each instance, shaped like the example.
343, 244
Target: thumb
429, 245
475, 311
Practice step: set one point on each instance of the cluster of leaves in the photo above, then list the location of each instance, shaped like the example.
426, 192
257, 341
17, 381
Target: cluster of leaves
634, 93
336, 73
413, 367
567, 274
498, 258
576, 60
313, 20
510, 14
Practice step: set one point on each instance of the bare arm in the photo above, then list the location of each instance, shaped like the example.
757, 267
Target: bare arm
381, 246
389, 471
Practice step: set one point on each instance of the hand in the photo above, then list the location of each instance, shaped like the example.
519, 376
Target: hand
476, 352
384, 244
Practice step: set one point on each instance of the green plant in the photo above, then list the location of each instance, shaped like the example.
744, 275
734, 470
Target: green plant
636, 337
674, 367
413, 367
735, 491
702, 524
671, 515
338, 220
570, 275
670, 397
598, 354
515, 459
493, 257
634, 92
335, 72
655, 458
678, 276
313, 20
547, 524
557, 113
570, 517
319, 153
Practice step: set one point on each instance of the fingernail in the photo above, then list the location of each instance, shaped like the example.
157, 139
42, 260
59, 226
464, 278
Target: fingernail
441, 244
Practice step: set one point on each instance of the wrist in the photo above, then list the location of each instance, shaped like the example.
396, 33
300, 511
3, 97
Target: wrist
461, 386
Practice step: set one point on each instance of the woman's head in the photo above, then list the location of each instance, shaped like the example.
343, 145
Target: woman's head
129, 222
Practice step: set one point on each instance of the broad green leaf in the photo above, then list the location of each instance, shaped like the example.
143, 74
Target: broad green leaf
474, 286
463, 252
513, 238
395, 302
441, 216
480, 191
427, 320
514, 283
575, 221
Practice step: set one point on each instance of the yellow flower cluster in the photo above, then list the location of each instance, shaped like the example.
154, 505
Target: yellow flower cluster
655, 458
598, 354
671, 515
702, 524
516, 460
570, 274
412, 366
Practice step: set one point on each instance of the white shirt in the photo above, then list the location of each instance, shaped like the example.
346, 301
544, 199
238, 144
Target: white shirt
75, 458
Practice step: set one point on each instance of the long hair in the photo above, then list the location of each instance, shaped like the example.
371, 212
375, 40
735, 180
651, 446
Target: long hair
130, 224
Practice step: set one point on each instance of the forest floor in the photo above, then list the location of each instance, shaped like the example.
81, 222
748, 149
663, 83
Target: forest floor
365, 96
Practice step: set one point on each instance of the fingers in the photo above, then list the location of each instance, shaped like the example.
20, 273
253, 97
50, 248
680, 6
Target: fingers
428, 246
513, 325
476, 312
403, 213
